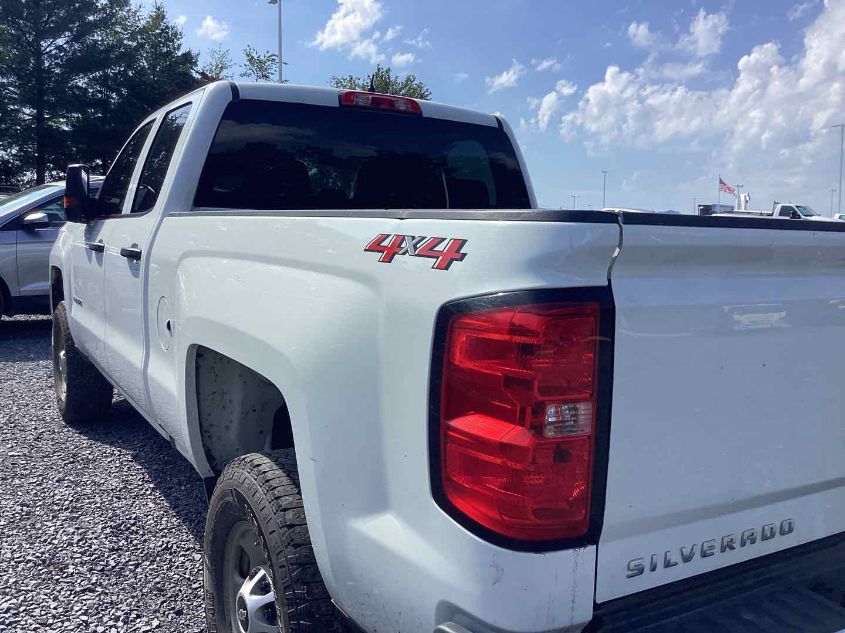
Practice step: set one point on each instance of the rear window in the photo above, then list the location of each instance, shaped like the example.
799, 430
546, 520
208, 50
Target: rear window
270, 155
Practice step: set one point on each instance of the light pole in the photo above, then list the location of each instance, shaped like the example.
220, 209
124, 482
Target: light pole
841, 127
603, 188
279, 2
833, 190
575, 197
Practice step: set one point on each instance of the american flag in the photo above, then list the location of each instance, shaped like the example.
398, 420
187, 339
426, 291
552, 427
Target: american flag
723, 186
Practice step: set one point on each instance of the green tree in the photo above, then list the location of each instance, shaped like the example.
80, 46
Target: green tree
385, 83
259, 66
77, 75
218, 66
42, 70
141, 67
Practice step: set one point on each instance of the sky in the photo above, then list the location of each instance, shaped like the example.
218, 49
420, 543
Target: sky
666, 95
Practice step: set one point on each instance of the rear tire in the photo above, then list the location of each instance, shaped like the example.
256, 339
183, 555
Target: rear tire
82, 393
259, 569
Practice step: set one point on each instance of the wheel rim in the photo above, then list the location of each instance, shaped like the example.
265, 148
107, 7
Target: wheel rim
249, 594
59, 365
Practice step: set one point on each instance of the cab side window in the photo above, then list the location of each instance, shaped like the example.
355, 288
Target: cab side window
158, 159
116, 184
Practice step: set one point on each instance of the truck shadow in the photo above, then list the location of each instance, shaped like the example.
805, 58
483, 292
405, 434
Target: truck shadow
26, 339
169, 472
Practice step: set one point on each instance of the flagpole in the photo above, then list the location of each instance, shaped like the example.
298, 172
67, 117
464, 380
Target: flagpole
719, 188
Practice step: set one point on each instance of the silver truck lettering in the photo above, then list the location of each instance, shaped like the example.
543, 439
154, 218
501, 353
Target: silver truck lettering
636, 567
749, 537
710, 547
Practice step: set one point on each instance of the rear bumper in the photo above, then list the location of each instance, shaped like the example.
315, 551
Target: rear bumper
800, 589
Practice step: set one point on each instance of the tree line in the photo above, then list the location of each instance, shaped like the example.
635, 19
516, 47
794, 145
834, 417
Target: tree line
77, 76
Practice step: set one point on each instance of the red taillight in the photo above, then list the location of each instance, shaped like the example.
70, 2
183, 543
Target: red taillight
517, 418
376, 101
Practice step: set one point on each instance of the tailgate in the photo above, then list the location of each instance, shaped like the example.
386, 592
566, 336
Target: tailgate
727, 437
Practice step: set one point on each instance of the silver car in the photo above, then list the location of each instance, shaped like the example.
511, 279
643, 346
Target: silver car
29, 224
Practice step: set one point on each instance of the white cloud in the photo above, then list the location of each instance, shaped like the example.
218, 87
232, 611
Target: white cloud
548, 63
798, 10
459, 77
392, 33
349, 29
678, 71
213, 29
180, 20
626, 106
548, 105
640, 35
770, 127
705, 33
403, 59
506, 79
420, 40
566, 88
366, 49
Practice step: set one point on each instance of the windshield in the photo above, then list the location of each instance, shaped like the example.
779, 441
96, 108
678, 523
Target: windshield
22, 198
271, 155
806, 211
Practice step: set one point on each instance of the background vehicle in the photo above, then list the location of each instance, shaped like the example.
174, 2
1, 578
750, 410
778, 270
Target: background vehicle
29, 224
797, 212
426, 410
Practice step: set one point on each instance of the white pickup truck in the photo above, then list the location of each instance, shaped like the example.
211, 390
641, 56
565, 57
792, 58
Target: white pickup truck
421, 404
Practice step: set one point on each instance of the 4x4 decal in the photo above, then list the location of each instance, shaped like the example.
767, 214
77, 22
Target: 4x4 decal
418, 246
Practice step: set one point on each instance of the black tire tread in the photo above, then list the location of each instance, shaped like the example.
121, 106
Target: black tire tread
89, 394
270, 481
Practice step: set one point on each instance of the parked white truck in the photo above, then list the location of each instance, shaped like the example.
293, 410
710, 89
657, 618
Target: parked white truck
421, 404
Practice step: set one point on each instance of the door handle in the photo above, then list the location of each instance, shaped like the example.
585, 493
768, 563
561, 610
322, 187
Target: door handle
133, 252
97, 247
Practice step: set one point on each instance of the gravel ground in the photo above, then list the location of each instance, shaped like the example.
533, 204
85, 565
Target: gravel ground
100, 528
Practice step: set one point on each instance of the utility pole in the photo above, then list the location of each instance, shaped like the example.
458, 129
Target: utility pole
841, 127
833, 190
603, 188
575, 197
281, 63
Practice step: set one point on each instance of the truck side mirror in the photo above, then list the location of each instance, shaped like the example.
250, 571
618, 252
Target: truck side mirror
77, 201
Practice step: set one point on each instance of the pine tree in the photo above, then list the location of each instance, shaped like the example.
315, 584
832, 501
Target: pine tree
76, 76
42, 69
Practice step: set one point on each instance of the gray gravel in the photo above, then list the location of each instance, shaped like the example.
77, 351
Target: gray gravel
101, 528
